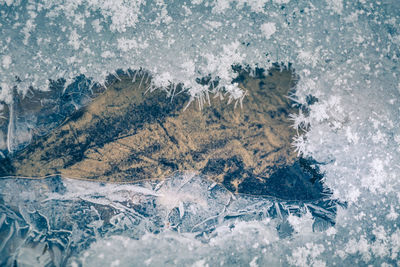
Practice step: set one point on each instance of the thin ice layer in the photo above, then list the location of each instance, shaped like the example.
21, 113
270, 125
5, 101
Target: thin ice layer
346, 53
55, 219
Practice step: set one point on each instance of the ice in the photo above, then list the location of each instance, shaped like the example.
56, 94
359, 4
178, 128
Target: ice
39, 112
346, 54
59, 218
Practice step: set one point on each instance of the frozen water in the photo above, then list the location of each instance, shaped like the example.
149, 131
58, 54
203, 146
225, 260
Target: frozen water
52, 219
38, 112
346, 54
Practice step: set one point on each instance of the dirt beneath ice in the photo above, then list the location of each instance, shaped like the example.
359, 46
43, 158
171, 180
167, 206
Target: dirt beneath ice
125, 135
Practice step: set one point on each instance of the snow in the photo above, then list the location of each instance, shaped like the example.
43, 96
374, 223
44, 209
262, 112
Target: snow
6, 62
268, 29
74, 40
280, 2
307, 256
335, 5
346, 54
96, 25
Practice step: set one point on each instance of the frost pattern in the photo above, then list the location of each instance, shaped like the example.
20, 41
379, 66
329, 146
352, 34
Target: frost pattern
57, 220
346, 54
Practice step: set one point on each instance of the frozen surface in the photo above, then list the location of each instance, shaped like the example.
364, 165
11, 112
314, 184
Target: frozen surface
63, 220
346, 54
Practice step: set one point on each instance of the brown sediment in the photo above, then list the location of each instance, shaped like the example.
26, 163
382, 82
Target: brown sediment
127, 135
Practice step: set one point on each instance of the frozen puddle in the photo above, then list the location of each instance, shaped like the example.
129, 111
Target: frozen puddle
133, 131
345, 53
247, 172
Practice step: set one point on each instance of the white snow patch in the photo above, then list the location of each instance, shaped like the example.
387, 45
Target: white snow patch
6, 61
107, 54
307, 255
127, 44
96, 25
335, 5
280, 2
74, 40
268, 29
301, 224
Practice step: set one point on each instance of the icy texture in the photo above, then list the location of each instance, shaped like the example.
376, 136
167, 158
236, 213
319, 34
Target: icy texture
39, 112
345, 52
52, 219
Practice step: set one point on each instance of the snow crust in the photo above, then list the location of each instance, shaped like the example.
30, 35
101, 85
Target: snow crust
346, 54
